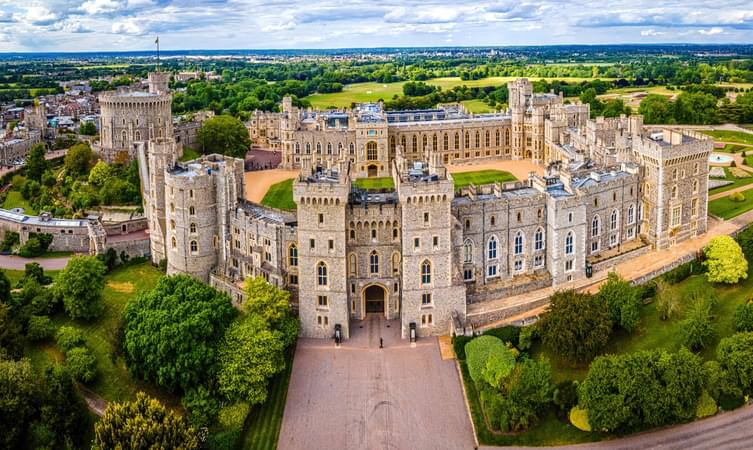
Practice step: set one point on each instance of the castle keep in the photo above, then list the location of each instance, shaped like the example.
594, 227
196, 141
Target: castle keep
422, 250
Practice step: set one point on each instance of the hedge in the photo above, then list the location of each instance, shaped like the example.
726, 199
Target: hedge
508, 333
478, 351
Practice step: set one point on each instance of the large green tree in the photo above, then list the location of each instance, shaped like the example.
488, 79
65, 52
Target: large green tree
78, 159
656, 109
575, 325
19, 393
35, 162
172, 332
525, 394
11, 339
725, 261
80, 286
621, 298
226, 135
143, 423
735, 354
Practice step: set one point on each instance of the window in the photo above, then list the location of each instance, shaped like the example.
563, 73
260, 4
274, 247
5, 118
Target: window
595, 226
322, 300
426, 320
468, 251
319, 148
695, 168
353, 265
194, 247
435, 242
352, 233
519, 217
457, 141
312, 244
569, 247
491, 271
674, 174
492, 248
416, 243
570, 217
613, 220
426, 298
467, 224
467, 274
373, 233
674, 191
293, 256
321, 218
174, 242
331, 244
426, 218
426, 272
352, 149
395, 263
394, 233
172, 208
538, 239
321, 273
371, 151
374, 262
467, 139
695, 186
518, 265
631, 214
191, 211
676, 215
594, 246
415, 144
694, 207
631, 233
492, 220
518, 250
190, 193
172, 224
329, 148
538, 261
612, 240
569, 265
192, 227
293, 279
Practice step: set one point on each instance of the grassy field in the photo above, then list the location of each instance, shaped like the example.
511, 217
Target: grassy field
263, 424
736, 182
189, 154
14, 199
477, 106
374, 184
479, 177
727, 209
280, 195
739, 137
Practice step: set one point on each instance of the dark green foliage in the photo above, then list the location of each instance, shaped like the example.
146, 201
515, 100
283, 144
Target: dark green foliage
36, 272
728, 402
36, 245
11, 339
88, 129
634, 391
576, 325
201, 405
565, 396
10, 240
5, 287
36, 165
735, 355
417, 88
458, 344
223, 440
679, 273
621, 299
697, 330
78, 159
63, 412
656, 108
109, 258
745, 239
172, 332
19, 394
744, 317
225, 135
645, 291
80, 286
527, 336
39, 328
81, 364
69, 338
505, 334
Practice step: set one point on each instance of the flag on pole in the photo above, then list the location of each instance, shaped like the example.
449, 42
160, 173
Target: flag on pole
156, 41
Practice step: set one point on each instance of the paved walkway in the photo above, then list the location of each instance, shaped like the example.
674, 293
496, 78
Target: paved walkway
727, 431
362, 397
18, 263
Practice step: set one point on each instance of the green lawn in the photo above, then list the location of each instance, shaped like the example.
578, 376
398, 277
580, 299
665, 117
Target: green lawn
14, 199
280, 196
727, 209
739, 137
189, 154
733, 148
16, 275
736, 182
479, 177
263, 424
477, 106
749, 160
374, 184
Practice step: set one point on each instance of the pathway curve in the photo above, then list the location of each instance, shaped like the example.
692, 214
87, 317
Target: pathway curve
18, 263
726, 431
96, 404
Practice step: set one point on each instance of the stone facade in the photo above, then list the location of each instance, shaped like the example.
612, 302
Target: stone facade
421, 251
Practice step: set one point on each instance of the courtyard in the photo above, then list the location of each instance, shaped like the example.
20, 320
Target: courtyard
361, 396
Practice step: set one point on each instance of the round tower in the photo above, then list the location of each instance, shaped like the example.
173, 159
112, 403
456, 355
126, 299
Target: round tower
159, 83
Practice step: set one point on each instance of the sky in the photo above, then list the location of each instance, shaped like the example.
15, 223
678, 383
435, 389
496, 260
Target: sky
114, 25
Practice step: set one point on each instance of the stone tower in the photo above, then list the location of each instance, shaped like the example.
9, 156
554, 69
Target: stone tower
159, 83
155, 159
519, 95
322, 195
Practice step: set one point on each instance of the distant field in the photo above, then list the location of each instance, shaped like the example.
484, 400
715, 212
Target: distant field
739, 137
477, 106
480, 177
280, 196
374, 184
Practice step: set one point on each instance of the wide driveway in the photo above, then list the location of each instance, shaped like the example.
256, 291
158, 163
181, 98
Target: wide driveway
362, 397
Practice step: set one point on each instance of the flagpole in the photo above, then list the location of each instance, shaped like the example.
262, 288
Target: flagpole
157, 42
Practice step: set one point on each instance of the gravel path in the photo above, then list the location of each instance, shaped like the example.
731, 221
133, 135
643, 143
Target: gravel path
18, 263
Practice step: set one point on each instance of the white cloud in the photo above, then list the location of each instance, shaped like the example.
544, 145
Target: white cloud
127, 27
711, 31
101, 6
652, 32
278, 27
36, 15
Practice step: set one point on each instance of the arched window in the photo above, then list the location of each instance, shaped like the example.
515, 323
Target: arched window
172, 224
374, 262
631, 214
595, 227
446, 143
352, 149
329, 148
172, 208
297, 148
468, 251
478, 140
319, 148
402, 142
308, 148
426, 272
353, 264
371, 151
695, 168
492, 248
518, 250
467, 139
424, 146
695, 186
293, 255
538, 239
137, 135
457, 140
496, 138
192, 227
174, 242
395, 263
569, 247
124, 136
415, 144
434, 142
191, 211
194, 246
487, 139
613, 220
321, 274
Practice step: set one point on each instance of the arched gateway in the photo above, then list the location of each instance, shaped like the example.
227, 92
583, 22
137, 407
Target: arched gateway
375, 297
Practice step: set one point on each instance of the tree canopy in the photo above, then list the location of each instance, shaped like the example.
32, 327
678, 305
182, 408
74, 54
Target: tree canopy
35, 162
725, 261
622, 301
226, 135
78, 159
80, 285
735, 355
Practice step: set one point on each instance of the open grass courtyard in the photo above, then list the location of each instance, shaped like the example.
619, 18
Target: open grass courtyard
374, 184
479, 177
280, 196
727, 208
736, 182
739, 137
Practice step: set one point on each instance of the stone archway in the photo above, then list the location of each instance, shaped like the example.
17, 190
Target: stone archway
375, 299
372, 170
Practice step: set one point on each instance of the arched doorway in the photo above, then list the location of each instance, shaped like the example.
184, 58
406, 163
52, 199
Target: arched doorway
374, 299
372, 170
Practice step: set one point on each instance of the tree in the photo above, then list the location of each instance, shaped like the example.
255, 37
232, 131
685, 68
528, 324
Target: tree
480, 350
4, 287
226, 135
88, 129
656, 109
744, 316
575, 325
201, 405
251, 353
620, 297
63, 410
69, 338
19, 392
36, 165
172, 332
266, 300
100, 173
143, 423
78, 159
696, 108
40, 328
668, 301
735, 355
526, 393
697, 330
80, 286
81, 364
725, 261
11, 339
634, 391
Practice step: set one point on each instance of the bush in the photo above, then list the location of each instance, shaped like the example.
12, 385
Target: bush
505, 334
527, 336
40, 328
10, 240
646, 290
706, 406
230, 422
224, 440
679, 273
737, 197
744, 316
566, 395
735, 355
201, 405
81, 363
478, 352
458, 344
725, 260
69, 338
728, 402
697, 330
579, 418
36, 245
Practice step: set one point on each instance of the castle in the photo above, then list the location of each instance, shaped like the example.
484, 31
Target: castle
421, 251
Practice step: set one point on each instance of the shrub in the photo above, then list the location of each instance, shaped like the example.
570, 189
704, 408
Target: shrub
230, 422
527, 336
737, 197
697, 330
505, 334
201, 405
566, 395
733, 163
735, 355
458, 344
477, 353
744, 316
223, 440
620, 297
725, 260
728, 402
646, 290
706, 406
679, 273
69, 338
10, 240
579, 418
40, 328
81, 363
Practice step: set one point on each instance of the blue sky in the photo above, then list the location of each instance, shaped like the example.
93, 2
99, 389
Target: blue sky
94, 25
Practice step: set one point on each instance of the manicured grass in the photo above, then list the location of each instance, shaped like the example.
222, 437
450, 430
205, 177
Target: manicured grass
749, 161
263, 424
477, 106
479, 177
14, 199
374, 184
733, 148
736, 182
727, 209
280, 196
739, 137
189, 154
